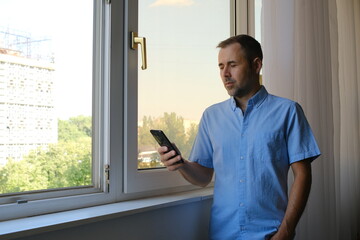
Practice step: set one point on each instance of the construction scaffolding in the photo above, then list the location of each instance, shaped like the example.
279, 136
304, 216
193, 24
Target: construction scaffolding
22, 44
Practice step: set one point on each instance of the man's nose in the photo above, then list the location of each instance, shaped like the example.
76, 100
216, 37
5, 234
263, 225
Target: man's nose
226, 72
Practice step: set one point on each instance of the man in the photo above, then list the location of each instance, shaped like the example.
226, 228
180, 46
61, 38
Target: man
250, 141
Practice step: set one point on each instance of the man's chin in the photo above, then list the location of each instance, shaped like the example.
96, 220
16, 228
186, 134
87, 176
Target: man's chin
231, 93
238, 93
230, 90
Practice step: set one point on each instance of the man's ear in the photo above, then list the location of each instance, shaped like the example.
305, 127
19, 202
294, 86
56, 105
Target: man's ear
257, 64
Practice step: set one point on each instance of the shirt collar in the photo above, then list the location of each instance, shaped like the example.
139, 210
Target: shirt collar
255, 100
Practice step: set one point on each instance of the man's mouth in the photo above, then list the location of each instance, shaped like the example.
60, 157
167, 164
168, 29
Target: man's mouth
229, 82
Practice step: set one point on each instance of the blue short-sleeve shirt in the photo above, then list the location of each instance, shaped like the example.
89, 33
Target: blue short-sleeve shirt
251, 153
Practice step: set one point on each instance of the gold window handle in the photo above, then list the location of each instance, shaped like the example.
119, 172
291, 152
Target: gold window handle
139, 40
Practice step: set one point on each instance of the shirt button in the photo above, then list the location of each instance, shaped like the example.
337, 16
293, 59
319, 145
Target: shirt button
241, 157
241, 204
242, 180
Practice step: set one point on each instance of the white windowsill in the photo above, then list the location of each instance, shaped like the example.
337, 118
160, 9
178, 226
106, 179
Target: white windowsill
56, 221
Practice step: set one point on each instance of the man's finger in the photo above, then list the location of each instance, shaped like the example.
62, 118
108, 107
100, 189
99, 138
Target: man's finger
162, 150
167, 156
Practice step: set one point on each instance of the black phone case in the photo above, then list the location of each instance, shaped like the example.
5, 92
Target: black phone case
162, 139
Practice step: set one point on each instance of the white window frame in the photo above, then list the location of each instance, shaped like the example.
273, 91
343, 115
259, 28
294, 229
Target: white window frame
41, 202
135, 180
153, 179
244, 17
115, 121
242, 21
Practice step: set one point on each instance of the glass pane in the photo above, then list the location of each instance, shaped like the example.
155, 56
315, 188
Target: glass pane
182, 78
45, 94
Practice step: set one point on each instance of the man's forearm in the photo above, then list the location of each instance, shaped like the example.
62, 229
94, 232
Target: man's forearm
191, 171
196, 174
299, 194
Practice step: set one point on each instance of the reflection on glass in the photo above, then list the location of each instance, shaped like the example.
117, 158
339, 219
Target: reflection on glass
182, 78
45, 94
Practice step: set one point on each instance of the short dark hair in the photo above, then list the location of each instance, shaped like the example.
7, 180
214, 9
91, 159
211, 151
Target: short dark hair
250, 45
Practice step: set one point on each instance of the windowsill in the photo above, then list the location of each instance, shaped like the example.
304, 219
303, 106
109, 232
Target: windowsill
56, 221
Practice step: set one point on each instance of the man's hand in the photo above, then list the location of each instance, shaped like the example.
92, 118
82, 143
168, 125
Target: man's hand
283, 235
193, 172
170, 160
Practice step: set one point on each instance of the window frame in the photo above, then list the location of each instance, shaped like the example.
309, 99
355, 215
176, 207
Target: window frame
114, 120
135, 180
45, 201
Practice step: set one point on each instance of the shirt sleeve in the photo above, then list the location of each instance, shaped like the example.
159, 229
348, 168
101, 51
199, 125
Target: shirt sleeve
202, 151
301, 143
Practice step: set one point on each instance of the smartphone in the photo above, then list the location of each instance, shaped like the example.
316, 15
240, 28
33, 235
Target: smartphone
162, 139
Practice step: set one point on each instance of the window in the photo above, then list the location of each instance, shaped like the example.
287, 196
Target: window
75, 106
180, 81
51, 105
46, 106
181, 61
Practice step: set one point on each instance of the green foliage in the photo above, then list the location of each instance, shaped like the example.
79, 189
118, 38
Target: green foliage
67, 163
74, 128
144, 136
17, 176
83, 123
191, 135
64, 164
174, 128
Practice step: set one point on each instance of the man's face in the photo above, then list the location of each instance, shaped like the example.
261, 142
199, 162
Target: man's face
237, 75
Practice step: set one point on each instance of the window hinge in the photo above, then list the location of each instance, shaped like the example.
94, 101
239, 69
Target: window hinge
107, 177
108, 1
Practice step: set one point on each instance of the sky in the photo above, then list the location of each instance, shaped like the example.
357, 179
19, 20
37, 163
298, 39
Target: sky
71, 35
181, 35
182, 74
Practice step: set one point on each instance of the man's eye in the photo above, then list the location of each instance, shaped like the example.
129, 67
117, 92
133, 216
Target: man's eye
232, 65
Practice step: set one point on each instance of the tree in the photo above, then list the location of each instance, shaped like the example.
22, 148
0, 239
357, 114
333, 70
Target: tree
174, 128
144, 136
190, 135
21, 176
64, 164
83, 124
68, 162
74, 128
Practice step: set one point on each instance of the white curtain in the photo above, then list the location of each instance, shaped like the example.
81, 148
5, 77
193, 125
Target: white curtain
312, 55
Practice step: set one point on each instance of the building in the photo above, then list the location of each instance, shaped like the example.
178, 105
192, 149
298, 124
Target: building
27, 104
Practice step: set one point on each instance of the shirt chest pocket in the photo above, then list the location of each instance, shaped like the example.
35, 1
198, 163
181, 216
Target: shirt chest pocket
268, 146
